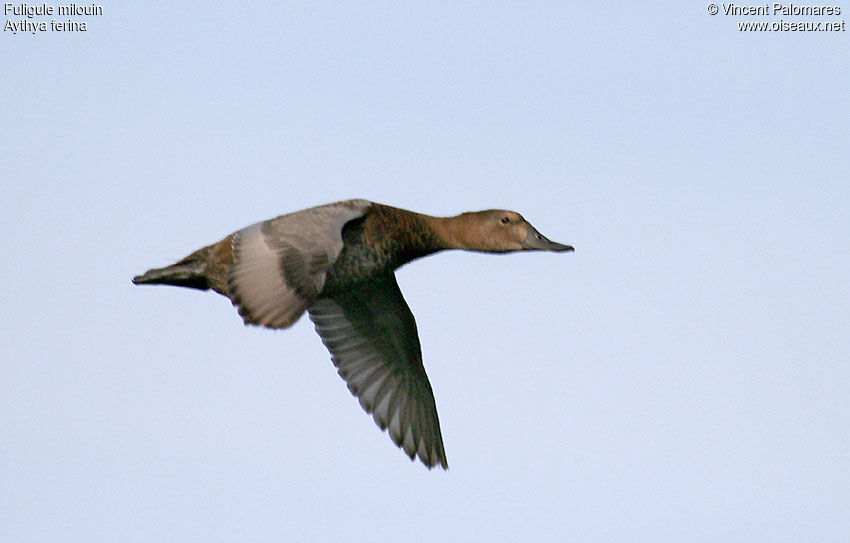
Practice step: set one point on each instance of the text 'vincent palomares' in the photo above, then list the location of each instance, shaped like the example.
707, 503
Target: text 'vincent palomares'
778, 8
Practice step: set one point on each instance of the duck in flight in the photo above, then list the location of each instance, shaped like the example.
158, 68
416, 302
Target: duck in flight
337, 263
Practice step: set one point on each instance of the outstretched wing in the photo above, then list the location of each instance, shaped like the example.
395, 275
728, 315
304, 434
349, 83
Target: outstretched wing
280, 265
372, 337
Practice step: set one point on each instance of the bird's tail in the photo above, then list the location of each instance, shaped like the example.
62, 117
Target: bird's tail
189, 272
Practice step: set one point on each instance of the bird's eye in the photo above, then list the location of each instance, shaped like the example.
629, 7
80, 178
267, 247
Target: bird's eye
506, 220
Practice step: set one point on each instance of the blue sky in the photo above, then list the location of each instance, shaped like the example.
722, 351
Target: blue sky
683, 376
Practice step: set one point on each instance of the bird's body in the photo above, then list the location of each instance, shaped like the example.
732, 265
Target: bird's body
337, 261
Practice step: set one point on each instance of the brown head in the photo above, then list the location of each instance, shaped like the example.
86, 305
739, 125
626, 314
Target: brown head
498, 231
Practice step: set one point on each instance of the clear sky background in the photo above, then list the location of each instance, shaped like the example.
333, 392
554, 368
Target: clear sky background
683, 376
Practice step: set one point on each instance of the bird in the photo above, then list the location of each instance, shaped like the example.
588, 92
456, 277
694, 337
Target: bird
337, 262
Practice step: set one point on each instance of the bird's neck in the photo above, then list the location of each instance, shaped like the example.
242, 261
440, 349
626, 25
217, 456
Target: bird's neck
458, 232
406, 235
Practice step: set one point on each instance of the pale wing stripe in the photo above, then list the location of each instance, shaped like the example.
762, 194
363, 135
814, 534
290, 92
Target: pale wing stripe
384, 399
259, 290
377, 390
408, 442
352, 371
371, 387
394, 424
280, 265
358, 383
